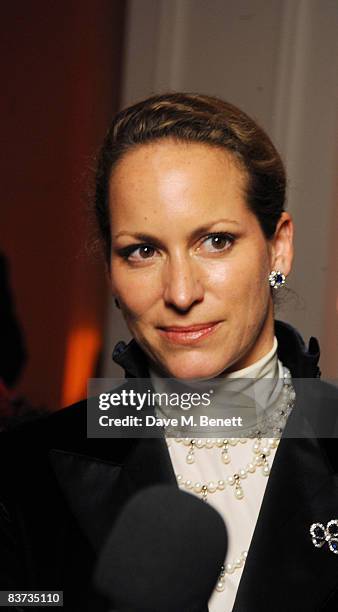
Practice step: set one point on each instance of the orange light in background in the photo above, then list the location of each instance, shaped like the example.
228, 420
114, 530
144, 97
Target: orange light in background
81, 357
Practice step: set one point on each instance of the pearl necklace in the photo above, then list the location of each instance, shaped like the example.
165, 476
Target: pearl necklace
277, 421
234, 480
210, 443
260, 460
229, 568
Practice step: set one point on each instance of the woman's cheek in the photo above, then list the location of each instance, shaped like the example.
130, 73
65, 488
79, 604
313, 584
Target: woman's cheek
144, 294
223, 279
217, 273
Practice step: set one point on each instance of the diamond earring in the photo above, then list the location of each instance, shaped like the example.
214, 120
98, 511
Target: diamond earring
276, 279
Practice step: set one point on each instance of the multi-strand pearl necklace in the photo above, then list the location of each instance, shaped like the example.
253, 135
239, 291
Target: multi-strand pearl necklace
262, 449
259, 459
275, 422
260, 455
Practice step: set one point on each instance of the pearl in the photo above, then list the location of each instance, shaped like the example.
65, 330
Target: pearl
229, 568
239, 493
212, 487
266, 470
238, 562
250, 468
242, 474
220, 586
233, 441
244, 555
225, 457
197, 487
199, 443
231, 480
186, 441
188, 484
219, 442
209, 443
179, 478
256, 447
190, 458
221, 485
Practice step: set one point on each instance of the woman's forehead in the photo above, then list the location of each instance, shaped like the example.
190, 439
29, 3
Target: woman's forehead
176, 179
167, 153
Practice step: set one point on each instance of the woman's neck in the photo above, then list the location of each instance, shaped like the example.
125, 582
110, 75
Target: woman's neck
265, 367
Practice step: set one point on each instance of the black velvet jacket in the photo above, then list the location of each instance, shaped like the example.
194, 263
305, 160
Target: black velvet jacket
61, 492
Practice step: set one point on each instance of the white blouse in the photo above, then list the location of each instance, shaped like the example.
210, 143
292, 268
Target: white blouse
240, 514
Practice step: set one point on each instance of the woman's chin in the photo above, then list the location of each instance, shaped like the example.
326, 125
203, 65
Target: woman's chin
194, 371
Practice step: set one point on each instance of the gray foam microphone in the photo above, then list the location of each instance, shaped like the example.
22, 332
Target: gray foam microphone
164, 553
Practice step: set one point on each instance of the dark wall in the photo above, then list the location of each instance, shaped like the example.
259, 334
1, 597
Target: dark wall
60, 79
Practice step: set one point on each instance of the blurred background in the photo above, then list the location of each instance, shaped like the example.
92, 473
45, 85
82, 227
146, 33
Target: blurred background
67, 67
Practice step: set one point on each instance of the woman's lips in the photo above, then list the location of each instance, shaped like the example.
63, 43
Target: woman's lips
188, 335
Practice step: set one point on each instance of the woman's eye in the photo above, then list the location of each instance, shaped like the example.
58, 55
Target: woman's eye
137, 253
218, 242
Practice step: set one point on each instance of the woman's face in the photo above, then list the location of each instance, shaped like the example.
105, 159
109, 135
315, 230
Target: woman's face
189, 262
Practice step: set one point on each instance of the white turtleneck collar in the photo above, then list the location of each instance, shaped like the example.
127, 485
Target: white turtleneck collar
266, 367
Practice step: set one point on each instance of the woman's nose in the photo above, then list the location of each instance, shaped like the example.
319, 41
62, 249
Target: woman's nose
182, 285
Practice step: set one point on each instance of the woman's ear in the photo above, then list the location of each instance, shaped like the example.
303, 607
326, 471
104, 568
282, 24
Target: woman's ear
282, 245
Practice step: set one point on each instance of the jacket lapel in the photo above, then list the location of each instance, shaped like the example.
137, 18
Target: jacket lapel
283, 566
96, 488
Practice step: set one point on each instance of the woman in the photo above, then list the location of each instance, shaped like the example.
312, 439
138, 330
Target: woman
190, 197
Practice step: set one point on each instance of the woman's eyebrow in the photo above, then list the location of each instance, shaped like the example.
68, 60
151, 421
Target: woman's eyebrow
154, 240
141, 237
202, 229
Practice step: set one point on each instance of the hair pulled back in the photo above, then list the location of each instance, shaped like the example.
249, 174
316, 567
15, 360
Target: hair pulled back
200, 119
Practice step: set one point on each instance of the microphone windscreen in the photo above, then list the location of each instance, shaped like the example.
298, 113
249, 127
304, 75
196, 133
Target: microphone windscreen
164, 553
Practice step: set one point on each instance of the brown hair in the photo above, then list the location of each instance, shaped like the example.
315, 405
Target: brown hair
202, 119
